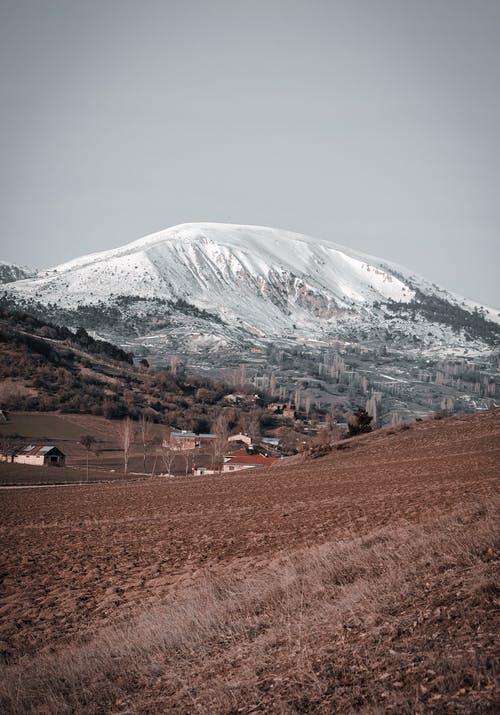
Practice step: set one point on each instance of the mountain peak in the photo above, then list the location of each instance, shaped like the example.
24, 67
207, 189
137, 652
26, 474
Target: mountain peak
213, 263
224, 283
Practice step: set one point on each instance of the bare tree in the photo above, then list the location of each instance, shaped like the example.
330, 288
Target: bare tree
330, 419
371, 408
188, 456
145, 430
288, 441
253, 429
126, 436
272, 385
156, 446
88, 441
167, 455
220, 428
242, 378
298, 397
396, 419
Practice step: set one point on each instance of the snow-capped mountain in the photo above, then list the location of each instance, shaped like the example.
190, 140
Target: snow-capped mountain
10, 272
216, 266
229, 287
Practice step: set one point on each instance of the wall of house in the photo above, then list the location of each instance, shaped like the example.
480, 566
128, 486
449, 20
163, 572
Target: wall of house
237, 467
55, 459
183, 444
37, 460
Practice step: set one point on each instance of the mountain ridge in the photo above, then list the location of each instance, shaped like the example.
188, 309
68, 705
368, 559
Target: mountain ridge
197, 232
258, 281
295, 311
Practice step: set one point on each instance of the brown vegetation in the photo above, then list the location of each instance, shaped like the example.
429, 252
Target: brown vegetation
53, 369
378, 623
363, 581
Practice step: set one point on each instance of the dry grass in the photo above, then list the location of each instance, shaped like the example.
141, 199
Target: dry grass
400, 620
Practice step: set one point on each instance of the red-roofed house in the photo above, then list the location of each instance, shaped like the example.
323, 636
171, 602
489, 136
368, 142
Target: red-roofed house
244, 460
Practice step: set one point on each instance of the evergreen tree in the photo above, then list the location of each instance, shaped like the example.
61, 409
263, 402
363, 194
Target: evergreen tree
360, 423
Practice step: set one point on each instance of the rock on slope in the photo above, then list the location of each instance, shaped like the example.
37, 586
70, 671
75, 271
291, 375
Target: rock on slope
10, 272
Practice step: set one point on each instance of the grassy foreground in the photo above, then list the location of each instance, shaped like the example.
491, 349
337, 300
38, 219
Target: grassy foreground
400, 620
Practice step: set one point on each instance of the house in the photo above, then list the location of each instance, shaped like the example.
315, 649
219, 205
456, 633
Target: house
244, 438
40, 455
181, 440
272, 442
202, 471
244, 460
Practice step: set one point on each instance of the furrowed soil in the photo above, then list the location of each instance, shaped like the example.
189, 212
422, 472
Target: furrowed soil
232, 575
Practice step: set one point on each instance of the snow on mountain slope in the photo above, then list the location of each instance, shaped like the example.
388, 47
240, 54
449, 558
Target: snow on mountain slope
10, 272
214, 264
217, 282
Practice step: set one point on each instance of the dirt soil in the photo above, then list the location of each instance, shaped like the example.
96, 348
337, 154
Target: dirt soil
77, 558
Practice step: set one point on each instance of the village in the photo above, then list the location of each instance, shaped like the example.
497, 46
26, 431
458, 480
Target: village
242, 454
82, 447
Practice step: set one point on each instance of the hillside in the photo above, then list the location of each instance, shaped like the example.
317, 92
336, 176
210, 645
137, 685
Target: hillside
295, 311
45, 368
219, 286
48, 368
363, 581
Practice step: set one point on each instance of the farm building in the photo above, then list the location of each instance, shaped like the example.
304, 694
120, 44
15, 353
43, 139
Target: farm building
202, 471
272, 442
245, 460
181, 440
40, 455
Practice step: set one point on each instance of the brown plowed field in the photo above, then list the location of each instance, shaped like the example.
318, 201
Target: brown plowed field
78, 557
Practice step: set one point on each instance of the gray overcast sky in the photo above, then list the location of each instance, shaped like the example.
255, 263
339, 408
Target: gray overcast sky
371, 122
